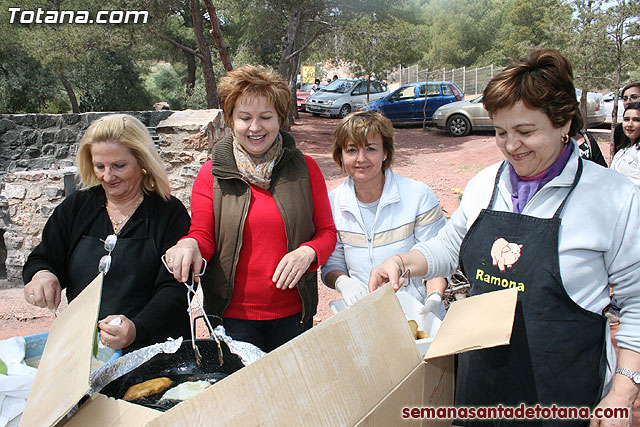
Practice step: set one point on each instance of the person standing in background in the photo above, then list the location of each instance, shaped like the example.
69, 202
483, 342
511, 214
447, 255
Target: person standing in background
627, 158
630, 93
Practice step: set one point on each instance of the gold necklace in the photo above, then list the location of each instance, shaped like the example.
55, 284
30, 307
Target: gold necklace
116, 224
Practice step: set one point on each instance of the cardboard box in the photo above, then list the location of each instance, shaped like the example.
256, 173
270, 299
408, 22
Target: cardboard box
360, 367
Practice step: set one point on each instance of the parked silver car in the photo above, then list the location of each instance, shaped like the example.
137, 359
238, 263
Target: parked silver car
343, 96
608, 108
460, 118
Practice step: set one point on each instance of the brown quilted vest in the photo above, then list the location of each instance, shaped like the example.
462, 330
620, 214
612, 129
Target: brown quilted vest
291, 189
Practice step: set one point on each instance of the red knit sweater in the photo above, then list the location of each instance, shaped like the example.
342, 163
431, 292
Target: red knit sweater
264, 243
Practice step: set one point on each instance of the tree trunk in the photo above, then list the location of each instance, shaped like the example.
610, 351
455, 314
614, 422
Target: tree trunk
191, 72
294, 93
583, 108
70, 93
207, 66
287, 62
614, 119
216, 32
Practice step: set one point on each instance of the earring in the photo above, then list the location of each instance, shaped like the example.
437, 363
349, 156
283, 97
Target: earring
145, 172
565, 138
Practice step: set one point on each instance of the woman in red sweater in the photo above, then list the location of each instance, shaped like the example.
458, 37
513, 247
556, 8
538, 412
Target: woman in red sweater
260, 217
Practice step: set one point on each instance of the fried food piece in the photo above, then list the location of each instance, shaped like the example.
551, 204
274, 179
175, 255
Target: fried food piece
185, 390
147, 388
422, 335
414, 328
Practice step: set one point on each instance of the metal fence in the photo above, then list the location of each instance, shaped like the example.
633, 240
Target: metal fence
470, 80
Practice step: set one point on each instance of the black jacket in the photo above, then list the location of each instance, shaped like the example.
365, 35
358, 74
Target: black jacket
83, 214
590, 150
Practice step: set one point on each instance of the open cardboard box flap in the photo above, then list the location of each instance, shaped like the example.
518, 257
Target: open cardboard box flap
334, 374
330, 375
63, 374
347, 367
481, 321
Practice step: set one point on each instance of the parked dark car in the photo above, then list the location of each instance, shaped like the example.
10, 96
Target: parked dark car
417, 101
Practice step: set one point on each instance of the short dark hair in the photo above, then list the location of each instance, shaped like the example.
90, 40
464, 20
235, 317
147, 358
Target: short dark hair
543, 80
356, 127
626, 141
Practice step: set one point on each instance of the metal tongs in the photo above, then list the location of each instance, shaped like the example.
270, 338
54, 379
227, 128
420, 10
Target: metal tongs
407, 272
191, 289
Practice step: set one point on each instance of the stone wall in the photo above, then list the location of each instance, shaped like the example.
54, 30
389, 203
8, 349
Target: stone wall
33, 183
46, 141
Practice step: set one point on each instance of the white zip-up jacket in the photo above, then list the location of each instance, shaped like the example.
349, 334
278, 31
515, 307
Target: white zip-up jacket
408, 212
598, 244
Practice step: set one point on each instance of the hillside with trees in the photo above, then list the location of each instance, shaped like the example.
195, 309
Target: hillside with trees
184, 46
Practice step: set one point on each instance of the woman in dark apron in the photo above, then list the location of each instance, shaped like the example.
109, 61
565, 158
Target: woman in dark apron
559, 229
126, 194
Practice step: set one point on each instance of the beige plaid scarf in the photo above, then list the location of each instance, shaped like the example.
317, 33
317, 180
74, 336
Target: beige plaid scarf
257, 172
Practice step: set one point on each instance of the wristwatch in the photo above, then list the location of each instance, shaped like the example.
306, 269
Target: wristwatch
635, 376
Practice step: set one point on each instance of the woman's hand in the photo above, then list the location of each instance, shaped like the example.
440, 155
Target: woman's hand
117, 336
182, 257
389, 271
43, 290
292, 266
622, 394
612, 401
394, 267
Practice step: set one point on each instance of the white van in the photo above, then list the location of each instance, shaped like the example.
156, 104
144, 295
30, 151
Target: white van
343, 96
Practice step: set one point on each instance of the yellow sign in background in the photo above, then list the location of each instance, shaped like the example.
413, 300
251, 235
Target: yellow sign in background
308, 74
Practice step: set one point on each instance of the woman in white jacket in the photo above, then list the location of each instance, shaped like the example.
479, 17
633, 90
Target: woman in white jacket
377, 213
627, 158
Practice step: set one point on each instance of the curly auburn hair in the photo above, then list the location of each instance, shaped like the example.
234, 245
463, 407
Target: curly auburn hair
543, 80
254, 81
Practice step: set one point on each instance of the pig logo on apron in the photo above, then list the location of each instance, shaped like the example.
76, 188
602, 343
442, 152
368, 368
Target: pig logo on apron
504, 254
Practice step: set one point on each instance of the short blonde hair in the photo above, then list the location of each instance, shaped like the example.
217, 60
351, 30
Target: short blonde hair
130, 132
356, 127
254, 81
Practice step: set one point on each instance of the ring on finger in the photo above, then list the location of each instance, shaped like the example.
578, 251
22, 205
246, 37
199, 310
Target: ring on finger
106, 344
169, 259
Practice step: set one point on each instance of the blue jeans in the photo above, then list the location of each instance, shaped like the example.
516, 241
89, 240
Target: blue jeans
266, 334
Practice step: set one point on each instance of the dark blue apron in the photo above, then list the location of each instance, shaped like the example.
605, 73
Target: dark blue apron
134, 262
557, 350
